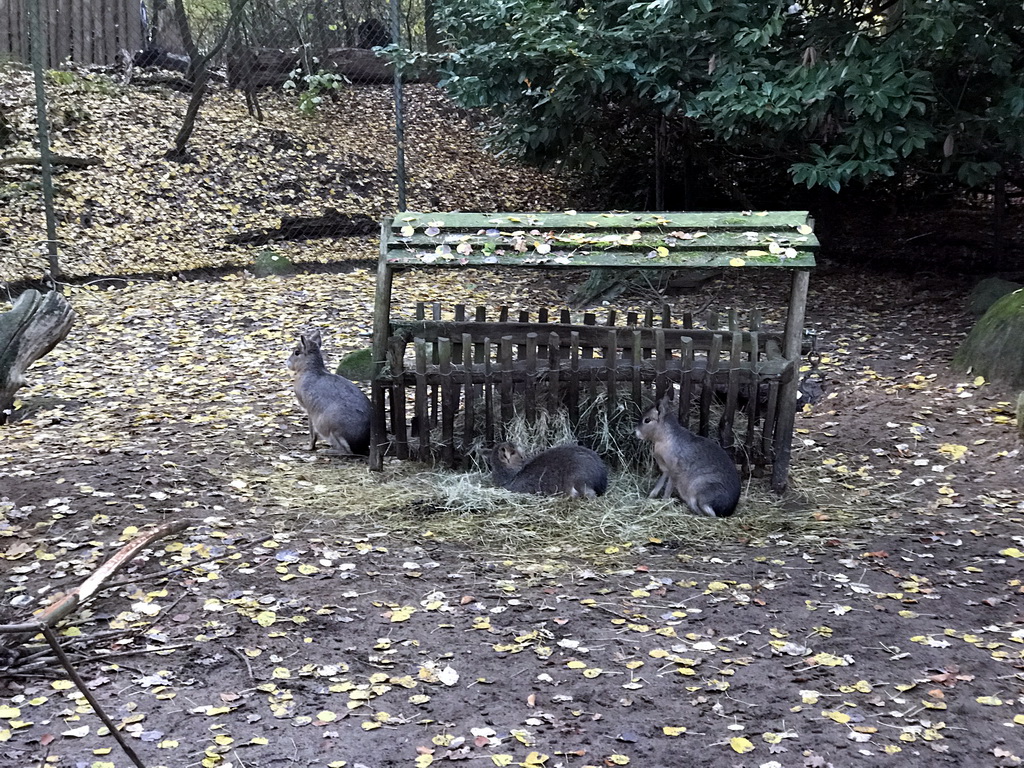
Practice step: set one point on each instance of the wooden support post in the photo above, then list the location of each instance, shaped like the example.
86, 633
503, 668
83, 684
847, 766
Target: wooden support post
787, 405
381, 330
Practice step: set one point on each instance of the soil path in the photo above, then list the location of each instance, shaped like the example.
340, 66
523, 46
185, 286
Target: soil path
268, 636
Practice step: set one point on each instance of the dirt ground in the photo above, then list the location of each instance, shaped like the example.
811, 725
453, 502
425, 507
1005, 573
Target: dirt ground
270, 635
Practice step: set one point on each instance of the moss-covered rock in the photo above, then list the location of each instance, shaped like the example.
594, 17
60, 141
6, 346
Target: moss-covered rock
987, 292
357, 366
271, 263
1020, 415
995, 346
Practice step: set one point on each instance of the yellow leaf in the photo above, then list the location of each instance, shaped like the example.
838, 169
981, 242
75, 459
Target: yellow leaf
535, 758
422, 761
502, 760
892, 749
804, 229
828, 660
403, 613
839, 717
1011, 552
737, 262
266, 618
979, 380
592, 672
618, 759
673, 730
990, 701
954, 451
741, 744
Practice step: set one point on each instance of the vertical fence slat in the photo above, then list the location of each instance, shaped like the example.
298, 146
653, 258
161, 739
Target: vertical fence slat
488, 392
449, 401
101, 44
660, 365
574, 379
768, 432
421, 416
505, 367
707, 392
725, 436
48, 12
469, 394
611, 360
79, 37
554, 374
637, 363
399, 428
530, 393
686, 380
587, 353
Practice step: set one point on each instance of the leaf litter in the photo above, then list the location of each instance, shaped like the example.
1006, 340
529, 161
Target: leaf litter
310, 614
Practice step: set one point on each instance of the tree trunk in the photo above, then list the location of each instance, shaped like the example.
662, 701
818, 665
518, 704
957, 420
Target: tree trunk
34, 326
198, 72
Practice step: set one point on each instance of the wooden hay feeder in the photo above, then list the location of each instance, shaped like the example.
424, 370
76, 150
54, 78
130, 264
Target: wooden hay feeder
440, 385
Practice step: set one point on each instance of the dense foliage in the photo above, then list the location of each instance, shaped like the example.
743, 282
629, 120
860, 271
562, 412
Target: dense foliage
831, 92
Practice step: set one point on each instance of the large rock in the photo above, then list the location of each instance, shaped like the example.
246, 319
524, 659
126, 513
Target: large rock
987, 292
995, 346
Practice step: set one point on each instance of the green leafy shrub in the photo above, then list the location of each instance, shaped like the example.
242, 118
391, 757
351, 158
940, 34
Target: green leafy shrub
834, 93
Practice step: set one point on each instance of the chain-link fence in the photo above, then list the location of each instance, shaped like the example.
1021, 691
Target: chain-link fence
187, 135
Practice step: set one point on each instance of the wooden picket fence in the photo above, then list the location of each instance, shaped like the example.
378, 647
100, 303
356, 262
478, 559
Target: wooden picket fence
454, 382
79, 31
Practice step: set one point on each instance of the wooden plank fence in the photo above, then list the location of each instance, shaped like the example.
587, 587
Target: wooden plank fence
464, 379
79, 31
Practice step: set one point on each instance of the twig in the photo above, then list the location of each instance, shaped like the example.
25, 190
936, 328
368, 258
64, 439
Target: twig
54, 641
53, 613
245, 661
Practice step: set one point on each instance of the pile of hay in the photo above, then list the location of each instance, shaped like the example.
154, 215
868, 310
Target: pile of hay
413, 500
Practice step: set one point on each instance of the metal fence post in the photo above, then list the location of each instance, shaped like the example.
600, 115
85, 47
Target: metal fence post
38, 43
399, 112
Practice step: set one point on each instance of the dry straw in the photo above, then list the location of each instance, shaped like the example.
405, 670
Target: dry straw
412, 500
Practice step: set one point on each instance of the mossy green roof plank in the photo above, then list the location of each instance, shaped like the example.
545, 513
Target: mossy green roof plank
586, 240
603, 220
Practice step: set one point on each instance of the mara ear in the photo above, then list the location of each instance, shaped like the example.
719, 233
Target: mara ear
312, 337
665, 404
